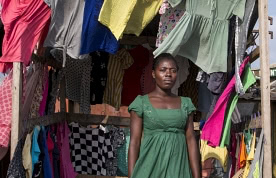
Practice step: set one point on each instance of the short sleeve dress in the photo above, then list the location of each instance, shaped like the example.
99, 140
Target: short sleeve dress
163, 152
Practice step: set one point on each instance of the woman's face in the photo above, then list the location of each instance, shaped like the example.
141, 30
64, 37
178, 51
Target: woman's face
165, 74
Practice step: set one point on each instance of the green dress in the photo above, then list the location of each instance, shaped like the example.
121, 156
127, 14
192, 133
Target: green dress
163, 152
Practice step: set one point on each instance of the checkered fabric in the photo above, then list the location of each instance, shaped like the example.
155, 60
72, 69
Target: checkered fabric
90, 147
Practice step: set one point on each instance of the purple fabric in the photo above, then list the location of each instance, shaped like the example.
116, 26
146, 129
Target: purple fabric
66, 167
212, 129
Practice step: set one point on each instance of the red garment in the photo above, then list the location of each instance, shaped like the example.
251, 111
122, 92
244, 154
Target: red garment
147, 81
132, 76
233, 154
23, 22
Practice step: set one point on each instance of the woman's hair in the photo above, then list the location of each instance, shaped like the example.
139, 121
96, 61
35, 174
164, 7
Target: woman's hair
161, 57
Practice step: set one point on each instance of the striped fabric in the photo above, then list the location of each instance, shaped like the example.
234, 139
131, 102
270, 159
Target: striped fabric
116, 69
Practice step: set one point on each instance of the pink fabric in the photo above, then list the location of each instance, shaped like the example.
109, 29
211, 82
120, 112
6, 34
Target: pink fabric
212, 129
5, 110
23, 22
45, 94
66, 167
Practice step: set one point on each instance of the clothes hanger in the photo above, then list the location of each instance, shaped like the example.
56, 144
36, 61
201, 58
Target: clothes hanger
105, 120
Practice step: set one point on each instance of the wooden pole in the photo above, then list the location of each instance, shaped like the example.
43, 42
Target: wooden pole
265, 86
16, 104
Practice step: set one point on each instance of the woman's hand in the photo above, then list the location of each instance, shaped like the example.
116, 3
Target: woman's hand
193, 149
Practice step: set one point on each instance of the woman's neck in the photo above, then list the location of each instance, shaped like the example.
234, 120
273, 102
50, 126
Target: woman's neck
162, 92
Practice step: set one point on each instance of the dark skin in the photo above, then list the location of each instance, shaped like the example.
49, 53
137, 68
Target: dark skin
165, 76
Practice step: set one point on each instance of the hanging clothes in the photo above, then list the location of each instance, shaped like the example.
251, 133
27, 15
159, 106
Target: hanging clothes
250, 156
26, 156
248, 79
55, 77
43, 102
23, 22
5, 110
65, 28
78, 77
117, 65
129, 17
36, 100
182, 73
117, 138
30, 91
90, 147
66, 167
132, 76
169, 17
241, 32
122, 155
243, 154
212, 129
98, 76
201, 34
35, 150
221, 154
47, 169
232, 153
16, 168
95, 36
256, 168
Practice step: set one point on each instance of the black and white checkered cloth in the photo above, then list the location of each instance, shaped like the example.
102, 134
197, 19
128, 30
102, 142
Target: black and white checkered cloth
90, 147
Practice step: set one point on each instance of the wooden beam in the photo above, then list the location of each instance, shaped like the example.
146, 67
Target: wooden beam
265, 86
254, 55
138, 40
16, 104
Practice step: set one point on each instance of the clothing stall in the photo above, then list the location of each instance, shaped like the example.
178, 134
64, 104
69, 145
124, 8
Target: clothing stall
122, 48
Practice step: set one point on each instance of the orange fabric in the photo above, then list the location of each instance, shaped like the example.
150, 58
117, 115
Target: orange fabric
243, 154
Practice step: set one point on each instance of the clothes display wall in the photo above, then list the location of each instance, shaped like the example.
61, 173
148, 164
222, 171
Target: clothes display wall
87, 57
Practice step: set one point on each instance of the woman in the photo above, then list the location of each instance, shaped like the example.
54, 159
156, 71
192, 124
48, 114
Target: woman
169, 148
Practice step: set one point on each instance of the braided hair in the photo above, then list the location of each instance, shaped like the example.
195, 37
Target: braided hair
161, 57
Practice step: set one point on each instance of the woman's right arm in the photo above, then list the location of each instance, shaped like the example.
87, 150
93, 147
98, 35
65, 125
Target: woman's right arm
136, 127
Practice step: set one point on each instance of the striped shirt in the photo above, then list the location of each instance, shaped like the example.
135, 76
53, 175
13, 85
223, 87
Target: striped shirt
116, 68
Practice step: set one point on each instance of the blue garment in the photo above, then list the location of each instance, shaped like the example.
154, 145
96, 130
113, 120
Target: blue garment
47, 170
95, 36
35, 150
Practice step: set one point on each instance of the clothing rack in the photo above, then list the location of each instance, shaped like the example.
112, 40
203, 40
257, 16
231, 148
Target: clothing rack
83, 119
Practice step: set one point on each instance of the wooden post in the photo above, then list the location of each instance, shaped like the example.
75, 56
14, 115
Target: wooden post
265, 87
63, 95
16, 104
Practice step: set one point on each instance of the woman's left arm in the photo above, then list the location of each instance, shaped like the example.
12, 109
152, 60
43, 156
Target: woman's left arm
193, 149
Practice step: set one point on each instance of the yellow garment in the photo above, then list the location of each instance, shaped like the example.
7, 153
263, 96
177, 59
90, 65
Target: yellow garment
250, 156
128, 16
256, 173
26, 155
221, 154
